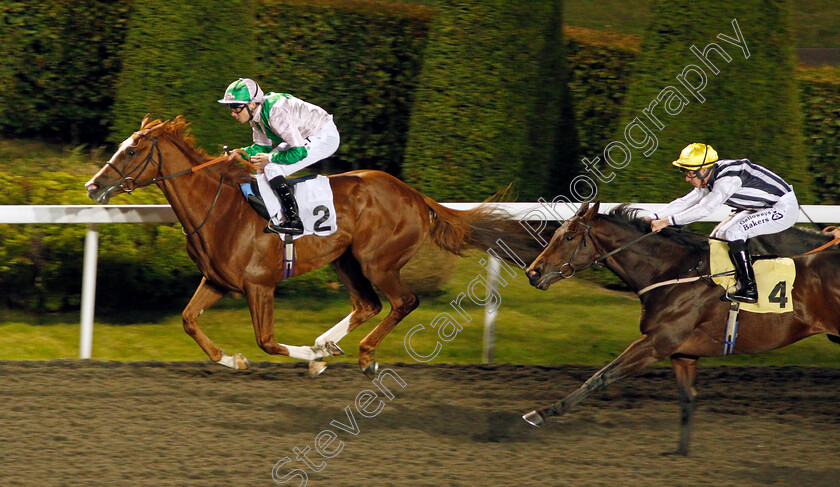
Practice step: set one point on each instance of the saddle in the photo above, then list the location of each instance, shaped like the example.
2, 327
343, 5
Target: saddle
251, 191
774, 278
314, 196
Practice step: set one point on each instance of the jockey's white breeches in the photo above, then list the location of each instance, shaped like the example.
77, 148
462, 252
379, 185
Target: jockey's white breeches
318, 147
747, 224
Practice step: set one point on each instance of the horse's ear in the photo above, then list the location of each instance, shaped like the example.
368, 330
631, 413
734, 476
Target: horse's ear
592, 211
146, 120
583, 207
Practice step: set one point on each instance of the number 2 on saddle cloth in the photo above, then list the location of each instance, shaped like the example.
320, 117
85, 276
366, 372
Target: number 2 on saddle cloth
317, 211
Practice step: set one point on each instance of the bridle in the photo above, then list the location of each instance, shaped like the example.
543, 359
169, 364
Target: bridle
129, 183
582, 243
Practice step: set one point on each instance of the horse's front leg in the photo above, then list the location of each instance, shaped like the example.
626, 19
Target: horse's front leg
641, 353
261, 304
205, 296
685, 369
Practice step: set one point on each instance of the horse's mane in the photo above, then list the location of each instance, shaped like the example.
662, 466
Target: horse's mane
628, 216
177, 131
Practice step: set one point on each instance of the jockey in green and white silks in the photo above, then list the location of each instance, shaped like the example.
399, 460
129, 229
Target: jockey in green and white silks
289, 134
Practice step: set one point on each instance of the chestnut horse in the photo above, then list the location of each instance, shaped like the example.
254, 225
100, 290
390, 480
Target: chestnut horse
382, 223
682, 321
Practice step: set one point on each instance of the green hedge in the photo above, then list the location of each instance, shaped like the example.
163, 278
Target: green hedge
359, 60
140, 265
820, 97
751, 108
600, 65
178, 59
492, 104
60, 62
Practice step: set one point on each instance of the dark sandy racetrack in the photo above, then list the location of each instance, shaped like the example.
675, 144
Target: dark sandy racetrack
79, 423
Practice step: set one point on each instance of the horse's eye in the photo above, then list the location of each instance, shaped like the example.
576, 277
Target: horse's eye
570, 237
129, 152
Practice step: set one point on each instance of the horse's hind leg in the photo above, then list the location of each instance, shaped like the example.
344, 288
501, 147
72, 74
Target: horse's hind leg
205, 296
641, 353
403, 302
685, 369
366, 303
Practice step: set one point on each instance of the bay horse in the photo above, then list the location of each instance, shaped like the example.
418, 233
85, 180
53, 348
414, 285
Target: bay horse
682, 321
382, 223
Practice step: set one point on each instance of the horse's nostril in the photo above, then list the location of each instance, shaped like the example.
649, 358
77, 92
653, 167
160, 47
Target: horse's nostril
533, 274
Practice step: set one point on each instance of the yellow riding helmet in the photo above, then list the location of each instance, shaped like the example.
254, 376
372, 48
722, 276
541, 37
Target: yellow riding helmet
696, 156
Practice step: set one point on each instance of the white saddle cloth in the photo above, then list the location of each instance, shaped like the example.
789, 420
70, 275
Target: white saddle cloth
315, 204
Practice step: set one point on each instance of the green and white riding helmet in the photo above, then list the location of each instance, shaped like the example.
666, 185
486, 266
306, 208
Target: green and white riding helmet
242, 92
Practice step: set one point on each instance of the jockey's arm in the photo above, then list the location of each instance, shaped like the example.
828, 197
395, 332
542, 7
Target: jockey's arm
283, 124
679, 204
255, 149
705, 207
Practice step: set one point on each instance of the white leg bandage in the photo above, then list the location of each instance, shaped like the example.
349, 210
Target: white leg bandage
335, 333
227, 361
302, 353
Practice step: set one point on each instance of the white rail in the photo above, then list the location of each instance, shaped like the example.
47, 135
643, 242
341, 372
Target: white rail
92, 215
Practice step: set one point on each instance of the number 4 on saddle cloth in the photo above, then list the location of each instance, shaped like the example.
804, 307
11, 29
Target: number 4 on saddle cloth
774, 279
314, 197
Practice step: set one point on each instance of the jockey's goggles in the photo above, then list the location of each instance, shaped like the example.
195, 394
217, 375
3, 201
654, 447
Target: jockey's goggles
237, 108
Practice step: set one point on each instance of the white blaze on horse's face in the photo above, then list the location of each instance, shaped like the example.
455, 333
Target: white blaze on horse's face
123, 147
94, 187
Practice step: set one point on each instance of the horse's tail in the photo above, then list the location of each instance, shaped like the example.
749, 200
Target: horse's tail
482, 228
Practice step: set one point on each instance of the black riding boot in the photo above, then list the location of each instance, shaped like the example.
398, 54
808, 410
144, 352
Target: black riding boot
291, 224
745, 290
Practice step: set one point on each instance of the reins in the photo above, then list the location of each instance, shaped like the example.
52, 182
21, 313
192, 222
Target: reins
207, 216
570, 264
679, 280
824, 246
129, 184
619, 249
158, 179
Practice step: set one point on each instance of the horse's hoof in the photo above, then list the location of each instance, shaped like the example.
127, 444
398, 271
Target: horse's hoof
371, 370
316, 368
534, 418
241, 362
334, 349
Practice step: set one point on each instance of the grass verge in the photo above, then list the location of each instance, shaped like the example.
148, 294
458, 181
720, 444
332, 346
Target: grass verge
575, 322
